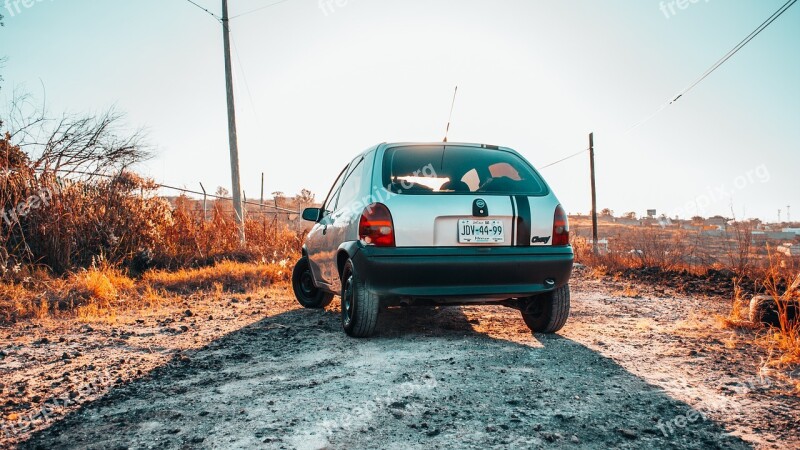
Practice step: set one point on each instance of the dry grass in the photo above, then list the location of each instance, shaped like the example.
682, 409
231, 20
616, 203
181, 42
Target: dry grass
103, 291
784, 285
676, 254
782, 343
739, 313
93, 245
18, 301
643, 247
225, 276
103, 285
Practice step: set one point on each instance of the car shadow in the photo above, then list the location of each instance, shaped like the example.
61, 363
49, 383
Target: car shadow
427, 379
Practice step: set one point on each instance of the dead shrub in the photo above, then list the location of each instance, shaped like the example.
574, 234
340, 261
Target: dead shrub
642, 247
73, 241
783, 285
739, 248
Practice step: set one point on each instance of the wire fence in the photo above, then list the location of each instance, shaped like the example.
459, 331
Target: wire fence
275, 209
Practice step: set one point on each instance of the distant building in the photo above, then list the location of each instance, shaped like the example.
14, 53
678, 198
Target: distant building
625, 221
764, 236
792, 230
718, 221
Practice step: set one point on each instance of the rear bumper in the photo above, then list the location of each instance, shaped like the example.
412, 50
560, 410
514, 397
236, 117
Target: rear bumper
453, 274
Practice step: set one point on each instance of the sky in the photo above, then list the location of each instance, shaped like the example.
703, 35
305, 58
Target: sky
316, 82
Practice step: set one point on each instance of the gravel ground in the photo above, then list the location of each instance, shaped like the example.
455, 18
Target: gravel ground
633, 368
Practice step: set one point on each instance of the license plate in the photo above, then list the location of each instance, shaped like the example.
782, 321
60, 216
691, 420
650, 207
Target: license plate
480, 231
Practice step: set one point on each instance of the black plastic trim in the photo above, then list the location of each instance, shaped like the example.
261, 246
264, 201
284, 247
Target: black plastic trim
525, 220
449, 274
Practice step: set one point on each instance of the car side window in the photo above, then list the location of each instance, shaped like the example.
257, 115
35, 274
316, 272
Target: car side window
330, 201
349, 192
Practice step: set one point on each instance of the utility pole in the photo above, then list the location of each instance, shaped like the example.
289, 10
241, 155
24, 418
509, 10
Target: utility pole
262, 191
233, 142
789, 214
205, 198
594, 194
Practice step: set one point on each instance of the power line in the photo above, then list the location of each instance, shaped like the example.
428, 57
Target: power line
720, 62
738, 47
564, 159
219, 19
259, 9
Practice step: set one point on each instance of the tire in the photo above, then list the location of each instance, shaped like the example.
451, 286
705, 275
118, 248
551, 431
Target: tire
764, 311
360, 307
304, 290
546, 313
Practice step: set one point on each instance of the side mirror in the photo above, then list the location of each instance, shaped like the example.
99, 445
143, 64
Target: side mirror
311, 214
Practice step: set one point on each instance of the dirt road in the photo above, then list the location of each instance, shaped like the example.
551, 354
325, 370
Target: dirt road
647, 372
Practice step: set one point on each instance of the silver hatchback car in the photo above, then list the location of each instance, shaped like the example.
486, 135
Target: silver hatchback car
438, 223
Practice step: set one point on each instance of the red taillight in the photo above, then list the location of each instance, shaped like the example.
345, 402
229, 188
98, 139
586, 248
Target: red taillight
560, 227
376, 227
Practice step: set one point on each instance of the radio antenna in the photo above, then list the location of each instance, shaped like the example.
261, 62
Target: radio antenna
451, 114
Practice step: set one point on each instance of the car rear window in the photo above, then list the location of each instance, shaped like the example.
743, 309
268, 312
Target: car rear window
458, 170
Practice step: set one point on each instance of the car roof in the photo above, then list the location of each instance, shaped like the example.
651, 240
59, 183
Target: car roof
446, 144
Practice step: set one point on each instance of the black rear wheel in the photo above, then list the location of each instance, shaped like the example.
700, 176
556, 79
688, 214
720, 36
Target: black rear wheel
305, 291
546, 313
360, 307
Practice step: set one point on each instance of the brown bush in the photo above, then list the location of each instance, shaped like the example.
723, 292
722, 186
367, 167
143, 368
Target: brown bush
782, 283
739, 250
67, 224
644, 247
191, 241
73, 243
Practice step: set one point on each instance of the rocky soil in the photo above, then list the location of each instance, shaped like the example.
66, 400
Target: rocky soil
635, 367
